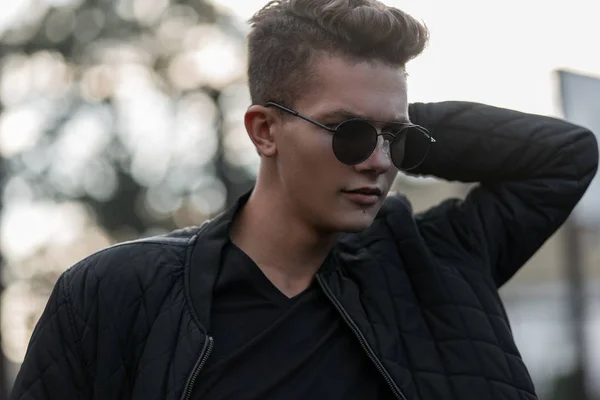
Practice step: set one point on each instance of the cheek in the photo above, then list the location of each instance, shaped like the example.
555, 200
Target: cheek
309, 169
308, 152
390, 177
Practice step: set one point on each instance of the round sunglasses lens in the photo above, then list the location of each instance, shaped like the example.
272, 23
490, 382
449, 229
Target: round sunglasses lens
354, 141
410, 148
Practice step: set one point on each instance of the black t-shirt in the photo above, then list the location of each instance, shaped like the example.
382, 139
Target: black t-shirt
268, 346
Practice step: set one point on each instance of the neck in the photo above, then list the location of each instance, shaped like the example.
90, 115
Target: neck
283, 245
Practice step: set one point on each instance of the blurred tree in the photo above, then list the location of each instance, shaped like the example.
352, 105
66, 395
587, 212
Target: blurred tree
130, 108
90, 64
3, 375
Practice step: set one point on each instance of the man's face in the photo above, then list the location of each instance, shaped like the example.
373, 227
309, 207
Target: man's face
318, 186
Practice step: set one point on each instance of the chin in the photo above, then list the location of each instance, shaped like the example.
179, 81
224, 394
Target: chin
355, 223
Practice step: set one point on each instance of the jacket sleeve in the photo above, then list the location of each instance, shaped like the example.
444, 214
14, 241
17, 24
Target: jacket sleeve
530, 171
53, 367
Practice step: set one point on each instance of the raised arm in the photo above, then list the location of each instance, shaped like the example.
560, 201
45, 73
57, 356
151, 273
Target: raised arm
532, 170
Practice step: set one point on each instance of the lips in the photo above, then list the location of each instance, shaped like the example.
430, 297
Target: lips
366, 191
364, 196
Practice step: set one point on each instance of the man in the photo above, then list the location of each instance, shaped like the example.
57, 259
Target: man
316, 284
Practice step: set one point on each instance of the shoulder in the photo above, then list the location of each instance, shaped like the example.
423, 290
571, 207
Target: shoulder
396, 204
130, 269
437, 226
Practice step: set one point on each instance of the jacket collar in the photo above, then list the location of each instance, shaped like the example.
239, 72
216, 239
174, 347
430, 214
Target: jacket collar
206, 254
204, 264
205, 261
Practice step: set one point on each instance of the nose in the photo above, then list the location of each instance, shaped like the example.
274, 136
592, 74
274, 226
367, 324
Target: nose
379, 161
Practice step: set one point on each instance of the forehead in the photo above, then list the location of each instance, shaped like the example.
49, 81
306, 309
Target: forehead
343, 88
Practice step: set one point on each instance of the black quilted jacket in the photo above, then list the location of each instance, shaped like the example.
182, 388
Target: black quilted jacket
419, 291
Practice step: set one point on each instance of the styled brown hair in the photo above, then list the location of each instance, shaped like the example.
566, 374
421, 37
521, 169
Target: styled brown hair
286, 36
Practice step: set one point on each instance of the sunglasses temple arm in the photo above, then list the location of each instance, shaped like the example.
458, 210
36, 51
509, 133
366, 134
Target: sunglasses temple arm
312, 121
295, 114
284, 108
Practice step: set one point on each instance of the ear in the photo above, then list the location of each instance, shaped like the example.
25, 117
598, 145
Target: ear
259, 121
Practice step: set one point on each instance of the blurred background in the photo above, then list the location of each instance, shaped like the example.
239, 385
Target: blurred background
123, 118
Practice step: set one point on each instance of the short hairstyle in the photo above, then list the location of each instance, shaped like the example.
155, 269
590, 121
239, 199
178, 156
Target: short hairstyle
287, 35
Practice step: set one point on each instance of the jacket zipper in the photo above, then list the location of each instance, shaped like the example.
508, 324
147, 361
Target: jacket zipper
189, 386
361, 339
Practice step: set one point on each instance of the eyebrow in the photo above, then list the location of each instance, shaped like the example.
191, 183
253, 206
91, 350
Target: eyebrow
348, 114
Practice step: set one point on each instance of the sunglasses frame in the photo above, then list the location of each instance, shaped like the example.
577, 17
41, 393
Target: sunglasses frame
393, 135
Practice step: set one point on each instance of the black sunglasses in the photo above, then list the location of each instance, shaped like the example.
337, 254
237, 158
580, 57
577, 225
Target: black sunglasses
354, 140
